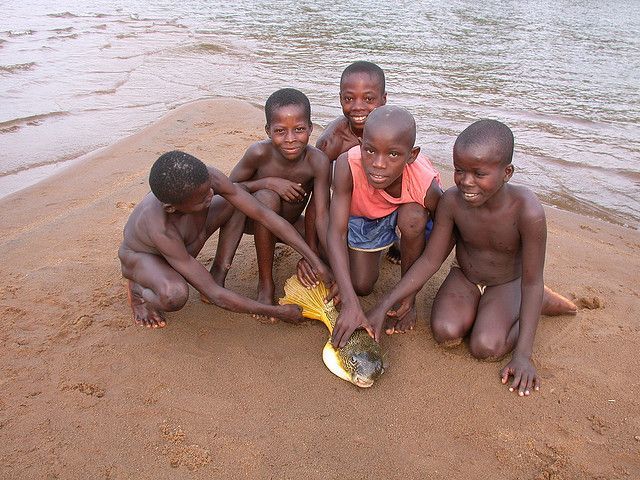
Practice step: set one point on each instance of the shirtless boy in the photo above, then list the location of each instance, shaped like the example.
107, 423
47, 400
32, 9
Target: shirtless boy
362, 89
281, 172
167, 229
382, 183
494, 291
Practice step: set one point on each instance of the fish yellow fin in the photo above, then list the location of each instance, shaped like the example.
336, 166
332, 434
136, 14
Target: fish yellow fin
330, 359
310, 299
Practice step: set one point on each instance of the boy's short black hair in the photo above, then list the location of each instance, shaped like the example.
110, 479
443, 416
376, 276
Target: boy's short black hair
488, 131
285, 97
365, 67
175, 176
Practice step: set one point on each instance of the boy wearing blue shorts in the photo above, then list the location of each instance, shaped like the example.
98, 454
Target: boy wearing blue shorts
379, 185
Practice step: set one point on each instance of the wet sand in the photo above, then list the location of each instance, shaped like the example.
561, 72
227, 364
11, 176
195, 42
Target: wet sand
88, 394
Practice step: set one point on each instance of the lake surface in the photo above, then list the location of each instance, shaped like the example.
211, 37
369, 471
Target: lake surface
564, 75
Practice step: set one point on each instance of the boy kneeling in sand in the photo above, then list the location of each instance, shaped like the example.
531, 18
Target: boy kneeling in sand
167, 229
495, 289
383, 183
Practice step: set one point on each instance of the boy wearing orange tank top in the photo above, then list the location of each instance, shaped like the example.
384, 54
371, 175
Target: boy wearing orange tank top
382, 184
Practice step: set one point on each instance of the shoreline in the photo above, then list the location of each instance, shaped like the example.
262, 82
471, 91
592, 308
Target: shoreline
219, 394
33, 176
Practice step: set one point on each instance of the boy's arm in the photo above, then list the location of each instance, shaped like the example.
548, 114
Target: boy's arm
533, 234
351, 315
438, 248
282, 229
321, 178
332, 141
172, 248
246, 168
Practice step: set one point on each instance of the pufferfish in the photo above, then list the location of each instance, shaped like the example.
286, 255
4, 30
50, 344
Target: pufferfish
360, 361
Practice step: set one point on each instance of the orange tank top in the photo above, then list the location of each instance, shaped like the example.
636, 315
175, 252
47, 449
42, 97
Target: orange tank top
370, 202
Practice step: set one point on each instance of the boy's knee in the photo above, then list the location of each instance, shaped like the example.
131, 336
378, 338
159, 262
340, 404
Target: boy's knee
412, 220
173, 296
363, 287
269, 199
487, 347
447, 332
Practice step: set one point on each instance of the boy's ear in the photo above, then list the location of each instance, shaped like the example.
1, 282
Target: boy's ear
384, 98
413, 155
266, 129
508, 172
168, 208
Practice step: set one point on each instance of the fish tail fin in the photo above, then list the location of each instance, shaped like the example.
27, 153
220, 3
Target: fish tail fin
311, 300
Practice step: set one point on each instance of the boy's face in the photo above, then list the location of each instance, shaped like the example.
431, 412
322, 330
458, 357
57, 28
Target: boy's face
479, 174
385, 152
360, 94
289, 131
198, 201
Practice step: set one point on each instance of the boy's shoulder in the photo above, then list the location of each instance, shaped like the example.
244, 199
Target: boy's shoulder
259, 149
527, 202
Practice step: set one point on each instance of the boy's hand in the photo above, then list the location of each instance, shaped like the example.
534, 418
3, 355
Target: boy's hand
351, 317
288, 190
376, 318
305, 274
289, 313
324, 273
525, 377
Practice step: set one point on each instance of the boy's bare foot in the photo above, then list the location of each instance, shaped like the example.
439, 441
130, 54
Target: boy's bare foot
393, 254
555, 304
143, 314
219, 274
265, 295
406, 323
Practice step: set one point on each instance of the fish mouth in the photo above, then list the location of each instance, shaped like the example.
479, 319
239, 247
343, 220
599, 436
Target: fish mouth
363, 382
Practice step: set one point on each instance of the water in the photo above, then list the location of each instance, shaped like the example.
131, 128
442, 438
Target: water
565, 75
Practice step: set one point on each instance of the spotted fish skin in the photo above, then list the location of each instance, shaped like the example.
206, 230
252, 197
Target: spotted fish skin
360, 361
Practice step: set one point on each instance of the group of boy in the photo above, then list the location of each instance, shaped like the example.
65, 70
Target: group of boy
385, 192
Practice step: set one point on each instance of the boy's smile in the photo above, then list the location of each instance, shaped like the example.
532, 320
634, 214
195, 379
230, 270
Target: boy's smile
360, 94
289, 131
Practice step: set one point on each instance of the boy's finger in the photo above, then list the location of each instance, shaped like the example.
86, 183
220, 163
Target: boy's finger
516, 381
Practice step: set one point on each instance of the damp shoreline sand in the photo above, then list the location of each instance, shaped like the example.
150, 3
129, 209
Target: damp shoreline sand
87, 394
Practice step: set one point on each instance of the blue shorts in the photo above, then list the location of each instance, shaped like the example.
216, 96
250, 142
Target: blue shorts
372, 235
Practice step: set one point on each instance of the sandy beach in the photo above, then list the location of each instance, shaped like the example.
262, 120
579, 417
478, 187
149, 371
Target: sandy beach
88, 394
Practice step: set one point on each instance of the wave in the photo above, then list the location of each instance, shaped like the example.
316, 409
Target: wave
18, 67
207, 48
51, 163
19, 33
62, 15
32, 120
73, 15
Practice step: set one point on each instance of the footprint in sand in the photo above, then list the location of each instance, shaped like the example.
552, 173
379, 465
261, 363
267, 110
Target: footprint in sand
125, 205
588, 302
179, 452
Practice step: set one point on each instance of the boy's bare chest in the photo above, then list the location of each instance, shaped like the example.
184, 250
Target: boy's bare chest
489, 232
192, 229
300, 172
